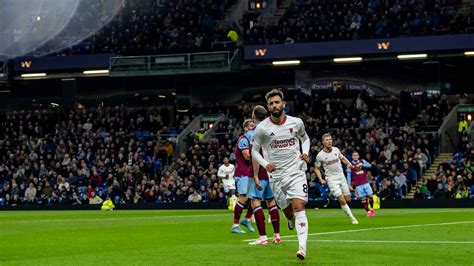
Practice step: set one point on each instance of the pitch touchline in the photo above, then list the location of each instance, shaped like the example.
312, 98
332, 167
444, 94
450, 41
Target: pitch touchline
373, 229
386, 241
114, 218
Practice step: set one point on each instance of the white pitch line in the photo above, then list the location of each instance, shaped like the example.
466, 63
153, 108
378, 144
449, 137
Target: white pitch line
374, 229
386, 241
113, 219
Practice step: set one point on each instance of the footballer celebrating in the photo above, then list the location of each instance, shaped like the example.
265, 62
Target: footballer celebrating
279, 136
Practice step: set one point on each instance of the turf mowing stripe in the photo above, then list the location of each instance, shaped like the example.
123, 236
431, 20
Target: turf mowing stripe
114, 219
386, 241
376, 228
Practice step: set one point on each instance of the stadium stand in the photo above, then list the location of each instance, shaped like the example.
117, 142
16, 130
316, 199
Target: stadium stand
128, 153
157, 27
320, 20
78, 157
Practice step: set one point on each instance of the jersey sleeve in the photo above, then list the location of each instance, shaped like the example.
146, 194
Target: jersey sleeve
301, 128
257, 138
243, 144
366, 164
340, 154
317, 162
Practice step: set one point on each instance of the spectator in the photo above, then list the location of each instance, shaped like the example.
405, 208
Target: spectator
203, 192
194, 197
128, 197
462, 192
401, 182
422, 160
95, 199
418, 194
30, 193
440, 192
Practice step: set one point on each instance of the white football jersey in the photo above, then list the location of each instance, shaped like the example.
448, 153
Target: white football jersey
226, 170
331, 162
280, 144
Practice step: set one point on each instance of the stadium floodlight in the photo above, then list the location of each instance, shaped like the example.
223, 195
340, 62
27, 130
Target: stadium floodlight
412, 56
347, 59
162, 96
469, 53
96, 72
33, 75
286, 63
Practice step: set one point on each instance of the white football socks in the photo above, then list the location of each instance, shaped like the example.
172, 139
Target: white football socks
301, 223
347, 210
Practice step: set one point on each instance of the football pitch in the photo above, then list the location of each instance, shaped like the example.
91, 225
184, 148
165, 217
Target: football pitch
202, 237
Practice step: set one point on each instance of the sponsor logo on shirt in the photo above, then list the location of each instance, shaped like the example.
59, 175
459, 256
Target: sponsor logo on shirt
280, 144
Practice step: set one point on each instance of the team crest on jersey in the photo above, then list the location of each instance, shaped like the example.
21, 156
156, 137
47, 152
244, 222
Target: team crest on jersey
291, 130
272, 134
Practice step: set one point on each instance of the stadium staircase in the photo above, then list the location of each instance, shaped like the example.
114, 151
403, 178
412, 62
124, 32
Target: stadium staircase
431, 171
273, 21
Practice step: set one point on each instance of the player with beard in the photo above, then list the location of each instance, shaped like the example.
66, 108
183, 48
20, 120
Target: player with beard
279, 138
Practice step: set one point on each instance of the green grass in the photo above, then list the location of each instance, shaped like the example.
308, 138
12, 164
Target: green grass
203, 237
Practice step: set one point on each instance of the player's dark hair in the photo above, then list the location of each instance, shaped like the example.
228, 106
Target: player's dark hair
260, 112
274, 92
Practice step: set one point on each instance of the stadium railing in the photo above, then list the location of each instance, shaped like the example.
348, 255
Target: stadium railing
171, 64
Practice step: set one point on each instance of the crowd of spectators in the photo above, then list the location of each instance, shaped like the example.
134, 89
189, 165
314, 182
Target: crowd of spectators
452, 179
383, 135
323, 20
50, 156
399, 155
162, 26
159, 26
79, 157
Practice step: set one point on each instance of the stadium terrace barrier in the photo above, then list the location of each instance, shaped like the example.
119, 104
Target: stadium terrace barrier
360, 47
32, 64
385, 204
